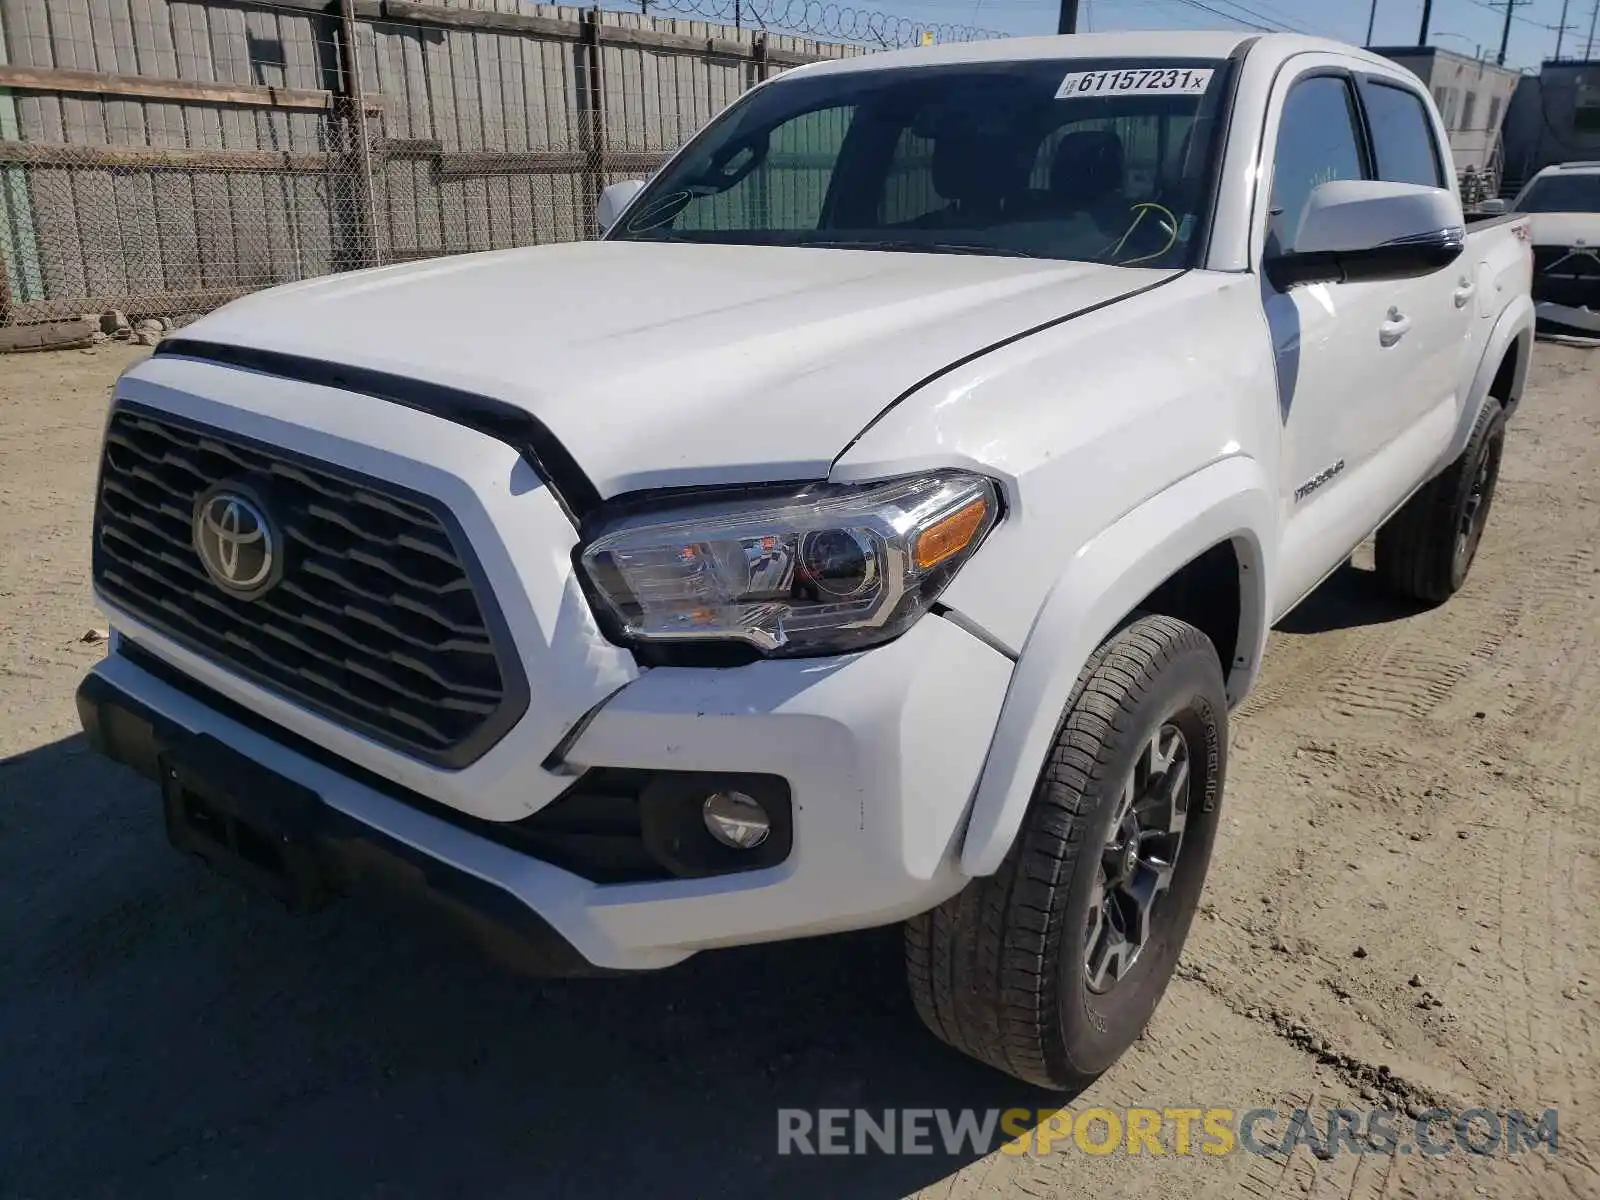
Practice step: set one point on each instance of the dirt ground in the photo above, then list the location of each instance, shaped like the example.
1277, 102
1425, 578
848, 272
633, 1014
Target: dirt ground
1412, 796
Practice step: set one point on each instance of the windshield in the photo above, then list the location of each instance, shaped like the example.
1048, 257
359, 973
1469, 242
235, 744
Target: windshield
1562, 193
1100, 161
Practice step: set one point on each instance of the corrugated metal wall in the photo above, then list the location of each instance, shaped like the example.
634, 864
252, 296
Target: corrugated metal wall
244, 170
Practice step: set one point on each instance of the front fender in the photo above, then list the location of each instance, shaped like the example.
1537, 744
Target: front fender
1104, 581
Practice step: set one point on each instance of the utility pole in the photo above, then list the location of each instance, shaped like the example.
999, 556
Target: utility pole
1069, 17
1372, 19
1505, 32
1588, 50
1427, 14
1561, 29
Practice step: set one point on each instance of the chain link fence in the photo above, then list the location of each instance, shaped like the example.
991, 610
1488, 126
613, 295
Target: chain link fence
160, 157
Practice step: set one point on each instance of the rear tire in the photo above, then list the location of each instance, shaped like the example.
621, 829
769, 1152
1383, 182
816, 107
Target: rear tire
1426, 549
1015, 969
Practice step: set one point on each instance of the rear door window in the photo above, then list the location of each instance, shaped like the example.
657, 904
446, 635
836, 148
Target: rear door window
1402, 134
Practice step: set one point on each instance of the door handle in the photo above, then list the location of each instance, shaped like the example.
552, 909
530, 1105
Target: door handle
1463, 292
1393, 329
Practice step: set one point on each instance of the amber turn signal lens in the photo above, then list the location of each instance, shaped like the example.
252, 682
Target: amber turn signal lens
950, 535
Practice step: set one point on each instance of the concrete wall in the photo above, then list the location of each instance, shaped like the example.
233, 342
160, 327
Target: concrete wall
1555, 118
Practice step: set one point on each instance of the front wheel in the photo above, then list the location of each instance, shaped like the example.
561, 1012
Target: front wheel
1050, 968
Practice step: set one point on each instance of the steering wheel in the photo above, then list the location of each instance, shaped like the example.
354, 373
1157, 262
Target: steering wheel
1147, 239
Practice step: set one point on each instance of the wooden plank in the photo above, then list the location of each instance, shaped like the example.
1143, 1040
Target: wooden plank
55, 219
154, 39
230, 46
97, 83
247, 200
546, 69
370, 9
497, 191
472, 215
393, 182
439, 224
190, 42
299, 36
138, 241
464, 18
71, 35
60, 335
468, 164
572, 31
158, 157
213, 217
28, 41
308, 227
115, 55
281, 237
173, 193
514, 118
100, 232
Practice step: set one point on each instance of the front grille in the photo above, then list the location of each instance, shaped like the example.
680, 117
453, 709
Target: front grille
375, 622
1566, 276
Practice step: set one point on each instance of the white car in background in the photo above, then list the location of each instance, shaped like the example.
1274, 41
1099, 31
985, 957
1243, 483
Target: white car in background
1564, 202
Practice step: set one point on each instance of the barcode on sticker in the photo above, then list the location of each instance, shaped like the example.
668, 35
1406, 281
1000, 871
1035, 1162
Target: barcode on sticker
1136, 81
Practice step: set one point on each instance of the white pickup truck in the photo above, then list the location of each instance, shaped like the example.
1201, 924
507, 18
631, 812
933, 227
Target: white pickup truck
877, 524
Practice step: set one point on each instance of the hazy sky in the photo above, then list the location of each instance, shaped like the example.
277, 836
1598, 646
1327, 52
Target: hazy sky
1457, 24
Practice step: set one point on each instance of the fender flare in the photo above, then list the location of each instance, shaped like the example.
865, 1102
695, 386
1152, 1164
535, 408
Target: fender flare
1107, 577
1514, 325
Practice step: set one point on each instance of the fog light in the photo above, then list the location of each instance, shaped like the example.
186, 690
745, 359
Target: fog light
736, 820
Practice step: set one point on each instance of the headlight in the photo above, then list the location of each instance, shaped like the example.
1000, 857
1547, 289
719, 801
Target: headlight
825, 569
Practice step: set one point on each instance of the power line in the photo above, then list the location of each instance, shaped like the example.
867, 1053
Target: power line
1269, 15
1499, 9
1206, 8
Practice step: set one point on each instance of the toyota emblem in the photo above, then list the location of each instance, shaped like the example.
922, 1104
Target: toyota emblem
236, 541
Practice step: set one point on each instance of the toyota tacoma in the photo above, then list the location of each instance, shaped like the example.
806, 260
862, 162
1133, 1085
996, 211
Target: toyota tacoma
876, 524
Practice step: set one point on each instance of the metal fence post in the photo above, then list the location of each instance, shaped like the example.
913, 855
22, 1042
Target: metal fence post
592, 126
364, 211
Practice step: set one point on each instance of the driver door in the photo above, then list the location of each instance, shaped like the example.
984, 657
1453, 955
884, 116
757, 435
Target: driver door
1334, 347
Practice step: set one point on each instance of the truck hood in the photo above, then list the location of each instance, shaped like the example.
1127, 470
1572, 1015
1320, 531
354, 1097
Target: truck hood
1566, 229
672, 364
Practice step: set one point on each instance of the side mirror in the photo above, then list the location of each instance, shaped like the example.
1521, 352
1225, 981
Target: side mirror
1357, 229
1492, 207
613, 200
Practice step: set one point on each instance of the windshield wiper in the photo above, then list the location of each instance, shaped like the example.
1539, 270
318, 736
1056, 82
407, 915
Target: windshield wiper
924, 247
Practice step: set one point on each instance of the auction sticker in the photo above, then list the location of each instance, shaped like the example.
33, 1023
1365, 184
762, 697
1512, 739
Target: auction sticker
1136, 81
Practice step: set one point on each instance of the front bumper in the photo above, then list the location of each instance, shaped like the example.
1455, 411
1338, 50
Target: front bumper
881, 752
1567, 320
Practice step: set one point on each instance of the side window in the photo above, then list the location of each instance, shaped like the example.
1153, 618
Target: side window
785, 191
1317, 142
1402, 135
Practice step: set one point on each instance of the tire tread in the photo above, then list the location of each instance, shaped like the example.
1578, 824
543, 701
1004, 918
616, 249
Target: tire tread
981, 966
